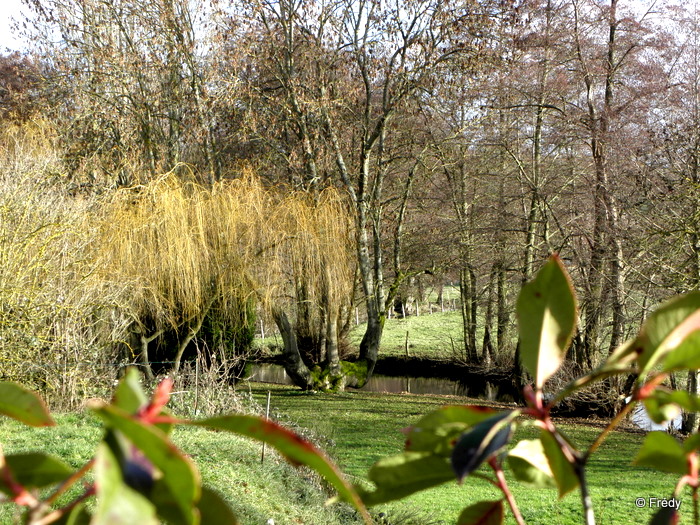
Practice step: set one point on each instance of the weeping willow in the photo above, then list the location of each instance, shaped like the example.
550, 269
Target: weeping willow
182, 251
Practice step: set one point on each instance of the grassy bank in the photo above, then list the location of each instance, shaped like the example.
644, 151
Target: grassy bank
229, 464
357, 429
364, 427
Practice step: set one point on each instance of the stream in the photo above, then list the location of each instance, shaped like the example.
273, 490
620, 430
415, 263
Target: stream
477, 388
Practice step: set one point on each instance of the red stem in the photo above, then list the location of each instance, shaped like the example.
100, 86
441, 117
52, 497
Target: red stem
503, 485
69, 481
58, 513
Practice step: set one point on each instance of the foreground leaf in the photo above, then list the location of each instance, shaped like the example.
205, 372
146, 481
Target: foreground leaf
477, 445
530, 465
662, 452
129, 395
23, 405
35, 470
661, 408
482, 513
214, 509
546, 312
438, 431
118, 504
179, 487
399, 476
686, 356
297, 450
562, 470
666, 329
692, 443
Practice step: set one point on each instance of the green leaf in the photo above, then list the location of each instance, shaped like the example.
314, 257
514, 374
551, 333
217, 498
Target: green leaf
179, 484
35, 470
621, 358
530, 465
478, 444
662, 452
396, 477
665, 330
297, 450
23, 405
661, 407
214, 509
660, 413
546, 312
482, 513
686, 356
118, 504
129, 396
664, 406
562, 470
438, 431
137, 471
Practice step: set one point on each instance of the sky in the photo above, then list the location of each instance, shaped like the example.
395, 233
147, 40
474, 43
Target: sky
9, 9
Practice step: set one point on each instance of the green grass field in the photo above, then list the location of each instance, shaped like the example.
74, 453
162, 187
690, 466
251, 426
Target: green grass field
357, 429
364, 427
436, 336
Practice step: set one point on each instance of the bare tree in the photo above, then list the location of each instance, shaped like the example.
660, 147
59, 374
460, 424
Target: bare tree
137, 82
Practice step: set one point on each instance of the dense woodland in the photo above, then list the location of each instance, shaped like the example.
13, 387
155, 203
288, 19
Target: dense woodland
171, 169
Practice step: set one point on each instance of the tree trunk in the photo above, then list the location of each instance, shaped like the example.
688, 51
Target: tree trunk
468, 293
293, 363
487, 350
145, 361
332, 355
502, 314
605, 243
369, 346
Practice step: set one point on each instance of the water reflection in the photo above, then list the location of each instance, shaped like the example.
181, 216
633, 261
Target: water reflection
424, 385
641, 418
474, 386
267, 373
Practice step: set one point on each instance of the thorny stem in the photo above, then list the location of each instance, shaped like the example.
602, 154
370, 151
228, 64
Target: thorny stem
503, 485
